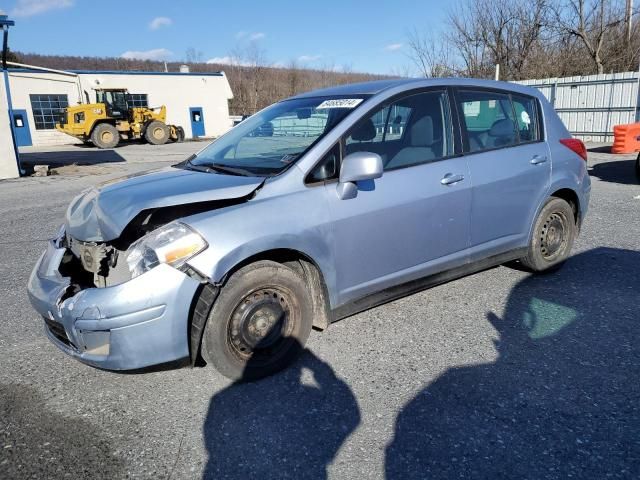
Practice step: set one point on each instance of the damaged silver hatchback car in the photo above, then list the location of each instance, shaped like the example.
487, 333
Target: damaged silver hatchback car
319, 206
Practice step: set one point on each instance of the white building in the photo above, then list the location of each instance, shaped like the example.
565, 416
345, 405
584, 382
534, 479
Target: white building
198, 102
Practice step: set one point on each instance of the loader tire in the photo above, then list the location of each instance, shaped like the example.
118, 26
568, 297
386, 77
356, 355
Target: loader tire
105, 135
179, 134
157, 133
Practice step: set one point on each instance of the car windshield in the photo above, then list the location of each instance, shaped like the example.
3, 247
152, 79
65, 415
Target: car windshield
268, 142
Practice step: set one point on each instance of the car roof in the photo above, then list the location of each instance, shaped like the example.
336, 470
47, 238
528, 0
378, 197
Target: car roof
377, 86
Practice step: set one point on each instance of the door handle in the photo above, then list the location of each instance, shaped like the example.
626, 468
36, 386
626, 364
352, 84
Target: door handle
450, 179
537, 159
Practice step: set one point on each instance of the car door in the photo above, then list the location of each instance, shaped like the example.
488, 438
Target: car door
510, 167
414, 220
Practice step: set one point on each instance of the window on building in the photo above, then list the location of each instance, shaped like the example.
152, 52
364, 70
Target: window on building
46, 109
137, 100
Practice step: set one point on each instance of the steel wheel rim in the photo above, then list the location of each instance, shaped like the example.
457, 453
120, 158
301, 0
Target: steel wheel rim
261, 325
554, 235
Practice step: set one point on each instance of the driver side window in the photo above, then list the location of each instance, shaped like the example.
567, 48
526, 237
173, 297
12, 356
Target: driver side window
413, 130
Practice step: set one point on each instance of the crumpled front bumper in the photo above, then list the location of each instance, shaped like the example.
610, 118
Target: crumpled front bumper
136, 324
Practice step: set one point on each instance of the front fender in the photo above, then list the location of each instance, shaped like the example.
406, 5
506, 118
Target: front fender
238, 233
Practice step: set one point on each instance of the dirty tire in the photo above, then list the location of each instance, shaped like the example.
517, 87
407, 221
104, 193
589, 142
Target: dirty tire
179, 134
553, 235
259, 323
157, 133
105, 135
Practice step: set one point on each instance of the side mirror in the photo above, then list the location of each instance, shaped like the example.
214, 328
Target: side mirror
357, 167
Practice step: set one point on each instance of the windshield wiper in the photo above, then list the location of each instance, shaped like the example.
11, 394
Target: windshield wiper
219, 168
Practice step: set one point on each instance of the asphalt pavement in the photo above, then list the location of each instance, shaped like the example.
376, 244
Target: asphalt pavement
497, 375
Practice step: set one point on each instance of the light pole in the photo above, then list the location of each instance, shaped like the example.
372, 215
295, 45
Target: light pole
5, 23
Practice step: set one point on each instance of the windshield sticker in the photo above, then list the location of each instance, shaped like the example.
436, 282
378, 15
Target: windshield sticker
340, 103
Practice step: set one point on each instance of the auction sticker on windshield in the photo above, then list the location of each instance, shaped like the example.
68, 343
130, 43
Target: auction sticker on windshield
340, 103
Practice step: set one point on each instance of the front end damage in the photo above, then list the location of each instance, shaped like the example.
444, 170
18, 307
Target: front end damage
97, 311
134, 324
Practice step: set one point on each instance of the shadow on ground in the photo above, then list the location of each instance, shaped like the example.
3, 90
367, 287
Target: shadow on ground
37, 442
290, 425
561, 401
64, 158
617, 171
600, 149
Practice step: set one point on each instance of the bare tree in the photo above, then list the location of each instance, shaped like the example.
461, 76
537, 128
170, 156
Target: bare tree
431, 55
591, 21
504, 32
193, 56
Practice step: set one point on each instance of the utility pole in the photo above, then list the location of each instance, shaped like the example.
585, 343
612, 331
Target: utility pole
9, 156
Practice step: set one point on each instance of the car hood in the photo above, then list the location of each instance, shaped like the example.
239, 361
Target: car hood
101, 213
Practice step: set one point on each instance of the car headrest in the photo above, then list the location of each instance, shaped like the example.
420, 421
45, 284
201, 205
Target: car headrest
502, 128
422, 132
365, 132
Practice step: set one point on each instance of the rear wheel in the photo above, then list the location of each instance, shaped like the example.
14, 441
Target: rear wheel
553, 235
105, 135
157, 133
259, 323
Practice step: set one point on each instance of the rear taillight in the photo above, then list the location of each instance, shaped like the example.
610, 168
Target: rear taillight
575, 145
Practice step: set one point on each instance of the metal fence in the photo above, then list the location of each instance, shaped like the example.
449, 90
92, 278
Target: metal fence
591, 105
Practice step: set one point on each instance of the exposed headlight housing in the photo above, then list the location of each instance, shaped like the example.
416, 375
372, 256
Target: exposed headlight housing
173, 244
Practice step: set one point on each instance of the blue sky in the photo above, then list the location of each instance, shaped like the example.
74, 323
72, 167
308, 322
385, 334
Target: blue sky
368, 36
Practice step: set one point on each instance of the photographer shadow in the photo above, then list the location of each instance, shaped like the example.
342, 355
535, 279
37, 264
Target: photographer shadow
563, 398
290, 425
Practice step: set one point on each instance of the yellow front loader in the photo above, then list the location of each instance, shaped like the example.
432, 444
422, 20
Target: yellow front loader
110, 120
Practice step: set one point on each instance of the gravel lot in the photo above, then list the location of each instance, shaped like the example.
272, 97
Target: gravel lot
497, 375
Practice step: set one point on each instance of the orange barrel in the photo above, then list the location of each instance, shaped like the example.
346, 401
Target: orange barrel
626, 138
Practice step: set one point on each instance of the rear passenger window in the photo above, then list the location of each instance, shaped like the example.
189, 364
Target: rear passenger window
412, 130
488, 120
526, 118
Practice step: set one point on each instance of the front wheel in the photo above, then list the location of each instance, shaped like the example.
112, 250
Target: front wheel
553, 235
259, 323
105, 135
157, 133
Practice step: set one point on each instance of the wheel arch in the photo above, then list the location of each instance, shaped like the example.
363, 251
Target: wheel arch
100, 121
305, 266
298, 261
571, 197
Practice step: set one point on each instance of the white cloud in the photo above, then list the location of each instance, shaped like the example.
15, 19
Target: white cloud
392, 47
160, 22
154, 54
228, 60
309, 58
28, 8
251, 36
